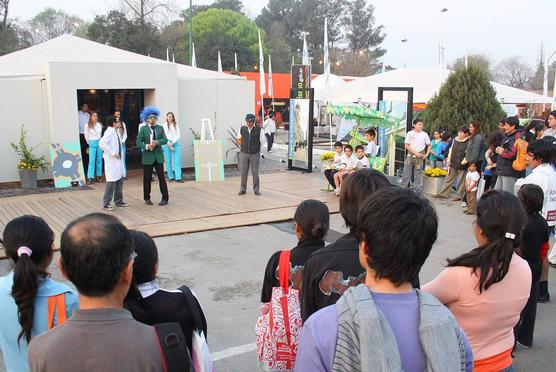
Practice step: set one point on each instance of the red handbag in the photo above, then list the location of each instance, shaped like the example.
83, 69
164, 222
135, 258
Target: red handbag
279, 324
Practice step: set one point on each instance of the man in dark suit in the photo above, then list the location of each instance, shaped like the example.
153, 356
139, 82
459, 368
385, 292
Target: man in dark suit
150, 138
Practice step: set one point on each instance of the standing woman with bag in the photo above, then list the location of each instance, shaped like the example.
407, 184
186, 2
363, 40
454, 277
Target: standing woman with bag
30, 302
93, 132
172, 152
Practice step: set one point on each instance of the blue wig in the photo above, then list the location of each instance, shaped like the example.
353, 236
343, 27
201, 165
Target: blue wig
148, 111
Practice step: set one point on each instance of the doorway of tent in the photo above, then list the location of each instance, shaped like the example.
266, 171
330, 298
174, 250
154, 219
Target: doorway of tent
129, 103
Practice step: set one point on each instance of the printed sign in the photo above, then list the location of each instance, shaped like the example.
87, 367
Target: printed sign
67, 165
301, 79
209, 162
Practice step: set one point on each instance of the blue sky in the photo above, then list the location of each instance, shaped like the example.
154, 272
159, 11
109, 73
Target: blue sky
498, 28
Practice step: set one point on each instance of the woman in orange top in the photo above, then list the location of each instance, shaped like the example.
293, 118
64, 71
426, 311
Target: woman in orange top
487, 288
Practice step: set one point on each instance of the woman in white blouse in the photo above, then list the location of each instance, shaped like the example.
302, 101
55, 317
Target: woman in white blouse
93, 132
172, 153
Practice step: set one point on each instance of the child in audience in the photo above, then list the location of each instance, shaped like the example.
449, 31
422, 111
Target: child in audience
349, 162
372, 148
385, 324
150, 304
471, 182
535, 236
27, 290
362, 160
487, 288
312, 220
336, 165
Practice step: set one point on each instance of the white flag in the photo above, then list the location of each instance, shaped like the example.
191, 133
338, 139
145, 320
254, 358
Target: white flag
326, 58
193, 59
262, 86
305, 50
269, 77
219, 63
466, 60
235, 62
167, 55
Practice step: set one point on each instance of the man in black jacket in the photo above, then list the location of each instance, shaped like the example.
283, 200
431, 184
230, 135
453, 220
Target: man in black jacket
251, 137
332, 269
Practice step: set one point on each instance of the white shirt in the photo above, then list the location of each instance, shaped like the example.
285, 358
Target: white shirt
337, 160
269, 126
362, 163
93, 134
83, 118
549, 132
418, 141
372, 149
263, 137
172, 134
543, 176
472, 177
122, 133
349, 163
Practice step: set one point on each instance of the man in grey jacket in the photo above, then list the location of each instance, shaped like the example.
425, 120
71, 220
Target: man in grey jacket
97, 257
251, 138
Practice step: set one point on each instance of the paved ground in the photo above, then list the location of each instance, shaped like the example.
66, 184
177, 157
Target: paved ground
225, 268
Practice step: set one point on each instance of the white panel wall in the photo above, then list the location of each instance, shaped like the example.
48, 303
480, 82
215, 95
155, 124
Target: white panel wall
23, 102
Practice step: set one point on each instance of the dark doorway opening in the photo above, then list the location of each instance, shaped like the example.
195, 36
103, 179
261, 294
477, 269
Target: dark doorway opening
129, 102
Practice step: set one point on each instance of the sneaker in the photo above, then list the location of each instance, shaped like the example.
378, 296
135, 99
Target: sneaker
543, 297
148, 202
163, 202
108, 207
180, 181
241, 193
257, 193
523, 345
463, 204
122, 204
270, 151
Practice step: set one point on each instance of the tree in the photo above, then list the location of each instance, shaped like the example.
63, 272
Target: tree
514, 71
479, 60
14, 37
51, 23
228, 32
147, 11
465, 96
362, 34
4, 4
279, 48
356, 63
116, 30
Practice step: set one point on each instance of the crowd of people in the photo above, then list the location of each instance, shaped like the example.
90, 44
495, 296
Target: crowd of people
361, 305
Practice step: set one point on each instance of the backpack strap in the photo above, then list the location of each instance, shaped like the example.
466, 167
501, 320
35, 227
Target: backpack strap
173, 348
56, 302
199, 321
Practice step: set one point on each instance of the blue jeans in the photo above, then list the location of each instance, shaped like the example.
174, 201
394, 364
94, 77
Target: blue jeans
95, 160
173, 161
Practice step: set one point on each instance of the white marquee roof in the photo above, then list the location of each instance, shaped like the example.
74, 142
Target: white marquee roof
335, 82
425, 82
68, 48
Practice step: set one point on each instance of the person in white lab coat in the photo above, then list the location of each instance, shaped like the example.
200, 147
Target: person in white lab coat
111, 144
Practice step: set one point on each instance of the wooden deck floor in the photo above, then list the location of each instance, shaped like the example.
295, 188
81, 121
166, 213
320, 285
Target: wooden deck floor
193, 206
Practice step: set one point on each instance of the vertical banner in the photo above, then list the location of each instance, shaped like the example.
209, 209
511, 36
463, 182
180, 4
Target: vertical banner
301, 130
301, 81
209, 162
381, 142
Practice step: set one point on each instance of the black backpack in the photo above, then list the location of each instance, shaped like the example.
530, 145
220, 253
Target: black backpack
175, 354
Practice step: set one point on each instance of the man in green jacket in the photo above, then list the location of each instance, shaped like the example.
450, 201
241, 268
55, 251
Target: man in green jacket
150, 139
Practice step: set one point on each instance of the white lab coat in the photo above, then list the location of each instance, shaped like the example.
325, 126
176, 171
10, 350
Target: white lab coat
114, 168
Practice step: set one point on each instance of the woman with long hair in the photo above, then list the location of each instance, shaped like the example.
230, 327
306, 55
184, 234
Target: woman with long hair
172, 152
476, 146
25, 292
150, 304
487, 288
93, 133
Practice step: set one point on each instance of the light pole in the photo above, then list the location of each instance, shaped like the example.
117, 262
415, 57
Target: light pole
545, 80
404, 42
190, 32
441, 50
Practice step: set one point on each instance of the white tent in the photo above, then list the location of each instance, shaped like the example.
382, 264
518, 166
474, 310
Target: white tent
39, 87
318, 83
425, 82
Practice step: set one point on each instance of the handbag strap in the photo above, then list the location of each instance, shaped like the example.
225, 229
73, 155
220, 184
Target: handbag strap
56, 302
284, 270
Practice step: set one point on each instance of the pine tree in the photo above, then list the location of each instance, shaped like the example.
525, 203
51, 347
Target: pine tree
466, 96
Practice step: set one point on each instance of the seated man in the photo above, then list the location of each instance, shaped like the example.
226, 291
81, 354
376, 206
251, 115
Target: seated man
385, 324
97, 257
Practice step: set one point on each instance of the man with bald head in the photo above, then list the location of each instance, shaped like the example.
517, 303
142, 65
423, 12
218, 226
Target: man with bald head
97, 257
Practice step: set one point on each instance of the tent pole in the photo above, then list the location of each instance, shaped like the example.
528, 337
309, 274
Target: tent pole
330, 123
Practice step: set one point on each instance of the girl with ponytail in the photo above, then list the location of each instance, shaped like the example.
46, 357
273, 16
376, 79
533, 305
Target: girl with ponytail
487, 288
312, 221
26, 292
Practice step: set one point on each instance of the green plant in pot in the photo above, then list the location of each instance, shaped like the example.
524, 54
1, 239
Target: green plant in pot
29, 163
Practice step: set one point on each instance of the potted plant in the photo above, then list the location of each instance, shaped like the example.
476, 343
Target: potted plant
29, 163
433, 181
237, 146
327, 159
